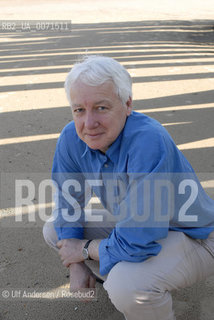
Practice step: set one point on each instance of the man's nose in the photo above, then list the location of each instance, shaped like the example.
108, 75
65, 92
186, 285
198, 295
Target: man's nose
90, 121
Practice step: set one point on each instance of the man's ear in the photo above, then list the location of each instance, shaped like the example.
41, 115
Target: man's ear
129, 106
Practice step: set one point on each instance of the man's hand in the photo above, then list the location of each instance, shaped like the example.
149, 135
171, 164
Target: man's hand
70, 251
81, 276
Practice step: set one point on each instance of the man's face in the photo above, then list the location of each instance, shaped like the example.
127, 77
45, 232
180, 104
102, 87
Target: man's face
98, 113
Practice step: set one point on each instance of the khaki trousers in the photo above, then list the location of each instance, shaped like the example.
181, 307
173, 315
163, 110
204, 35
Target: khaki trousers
141, 291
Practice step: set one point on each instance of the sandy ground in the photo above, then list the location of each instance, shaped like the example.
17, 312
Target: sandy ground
168, 48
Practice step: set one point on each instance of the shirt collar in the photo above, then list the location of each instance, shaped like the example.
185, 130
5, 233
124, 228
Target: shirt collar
113, 151
86, 150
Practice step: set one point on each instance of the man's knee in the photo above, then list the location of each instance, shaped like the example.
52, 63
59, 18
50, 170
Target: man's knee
126, 290
50, 235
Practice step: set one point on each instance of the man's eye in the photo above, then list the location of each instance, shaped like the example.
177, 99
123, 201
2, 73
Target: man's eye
78, 110
102, 108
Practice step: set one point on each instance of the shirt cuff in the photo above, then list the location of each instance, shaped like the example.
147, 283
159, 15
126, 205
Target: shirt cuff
104, 258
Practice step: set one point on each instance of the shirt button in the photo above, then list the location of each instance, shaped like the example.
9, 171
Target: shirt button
106, 165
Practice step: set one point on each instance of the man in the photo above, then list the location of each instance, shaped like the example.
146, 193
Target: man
161, 235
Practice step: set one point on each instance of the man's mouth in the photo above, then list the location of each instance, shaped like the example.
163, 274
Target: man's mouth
93, 135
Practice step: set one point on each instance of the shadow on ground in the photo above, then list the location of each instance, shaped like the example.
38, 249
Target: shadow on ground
26, 262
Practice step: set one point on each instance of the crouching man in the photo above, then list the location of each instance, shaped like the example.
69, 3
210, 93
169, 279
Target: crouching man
143, 252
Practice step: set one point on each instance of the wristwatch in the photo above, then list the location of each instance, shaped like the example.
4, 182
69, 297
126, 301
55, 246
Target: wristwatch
85, 251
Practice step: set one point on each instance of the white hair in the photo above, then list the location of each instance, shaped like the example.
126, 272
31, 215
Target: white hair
95, 70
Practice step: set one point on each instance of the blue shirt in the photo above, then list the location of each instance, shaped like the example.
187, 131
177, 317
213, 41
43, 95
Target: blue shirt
167, 194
